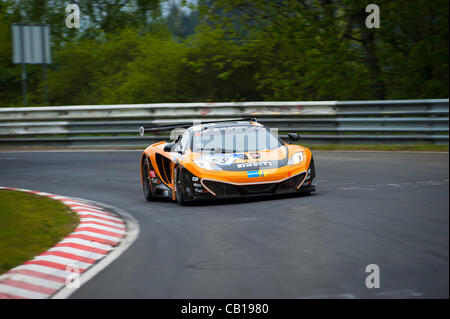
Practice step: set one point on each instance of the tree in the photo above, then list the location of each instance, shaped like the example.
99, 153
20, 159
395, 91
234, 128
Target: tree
127, 51
321, 49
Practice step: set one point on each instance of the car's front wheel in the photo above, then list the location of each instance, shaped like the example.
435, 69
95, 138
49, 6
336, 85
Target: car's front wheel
179, 186
146, 186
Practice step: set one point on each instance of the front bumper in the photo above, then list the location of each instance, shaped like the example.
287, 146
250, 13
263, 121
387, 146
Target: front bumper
227, 190
203, 188
219, 190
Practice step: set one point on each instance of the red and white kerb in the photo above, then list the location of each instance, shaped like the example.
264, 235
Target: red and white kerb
98, 232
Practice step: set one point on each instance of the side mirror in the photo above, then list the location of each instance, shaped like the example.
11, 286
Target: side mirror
293, 136
168, 147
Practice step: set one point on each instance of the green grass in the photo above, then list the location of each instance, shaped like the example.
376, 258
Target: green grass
29, 225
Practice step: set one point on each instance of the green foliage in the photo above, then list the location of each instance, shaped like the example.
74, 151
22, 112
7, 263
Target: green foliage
128, 52
152, 71
72, 78
319, 50
10, 92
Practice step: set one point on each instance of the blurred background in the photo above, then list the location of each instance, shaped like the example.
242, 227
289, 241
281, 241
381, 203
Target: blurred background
150, 51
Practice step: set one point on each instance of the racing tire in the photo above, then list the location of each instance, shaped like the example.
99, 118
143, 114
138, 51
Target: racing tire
179, 187
146, 187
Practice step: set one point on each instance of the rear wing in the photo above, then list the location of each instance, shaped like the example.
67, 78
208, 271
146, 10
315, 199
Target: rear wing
162, 128
170, 127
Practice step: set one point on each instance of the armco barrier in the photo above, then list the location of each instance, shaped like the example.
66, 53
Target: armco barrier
344, 122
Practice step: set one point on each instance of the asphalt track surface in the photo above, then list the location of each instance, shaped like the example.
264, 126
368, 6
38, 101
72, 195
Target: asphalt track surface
389, 209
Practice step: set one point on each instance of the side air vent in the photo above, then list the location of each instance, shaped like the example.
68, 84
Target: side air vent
164, 168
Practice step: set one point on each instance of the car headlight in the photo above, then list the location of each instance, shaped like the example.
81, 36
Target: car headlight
207, 164
295, 158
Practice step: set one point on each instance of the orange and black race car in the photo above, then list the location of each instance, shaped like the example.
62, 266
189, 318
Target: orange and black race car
224, 159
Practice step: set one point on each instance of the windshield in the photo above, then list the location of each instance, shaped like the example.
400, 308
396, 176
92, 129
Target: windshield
234, 139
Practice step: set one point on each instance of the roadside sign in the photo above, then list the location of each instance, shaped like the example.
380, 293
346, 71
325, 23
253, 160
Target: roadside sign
31, 45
